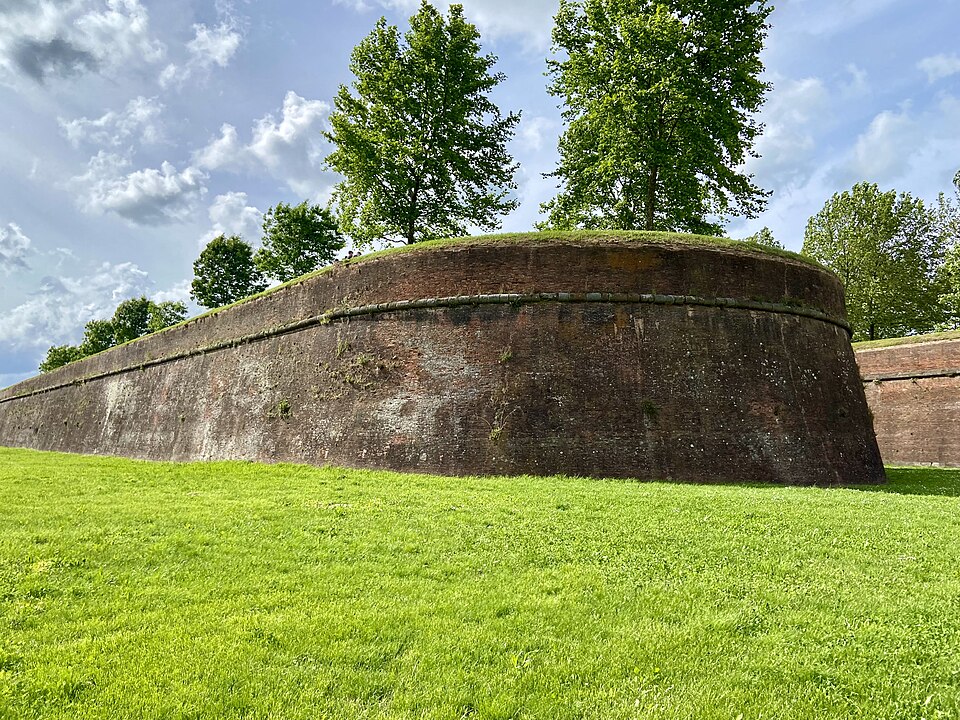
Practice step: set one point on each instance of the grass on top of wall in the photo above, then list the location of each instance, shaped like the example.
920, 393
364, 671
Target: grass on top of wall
907, 340
234, 590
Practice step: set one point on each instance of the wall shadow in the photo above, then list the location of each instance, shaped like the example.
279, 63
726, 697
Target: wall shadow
940, 481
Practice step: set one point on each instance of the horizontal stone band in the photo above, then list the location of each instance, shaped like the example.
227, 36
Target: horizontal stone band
456, 301
916, 375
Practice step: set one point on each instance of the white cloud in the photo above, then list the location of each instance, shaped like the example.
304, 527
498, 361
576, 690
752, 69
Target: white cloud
290, 148
223, 153
56, 313
230, 215
149, 196
793, 114
535, 130
46, 39
210, 46
940, 66
14, 249
884, 149
141, 116
494, 18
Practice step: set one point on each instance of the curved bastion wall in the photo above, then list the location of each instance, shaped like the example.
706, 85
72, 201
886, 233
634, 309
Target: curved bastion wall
913, 390
609, 355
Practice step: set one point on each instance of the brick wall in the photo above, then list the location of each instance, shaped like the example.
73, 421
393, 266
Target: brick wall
602, 357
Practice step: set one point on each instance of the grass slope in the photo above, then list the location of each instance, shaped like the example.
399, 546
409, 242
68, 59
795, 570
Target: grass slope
907, 340
232, 590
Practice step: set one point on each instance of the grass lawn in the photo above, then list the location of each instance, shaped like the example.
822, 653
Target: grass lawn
233, 590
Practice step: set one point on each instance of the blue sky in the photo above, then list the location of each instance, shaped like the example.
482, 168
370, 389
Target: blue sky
133, 131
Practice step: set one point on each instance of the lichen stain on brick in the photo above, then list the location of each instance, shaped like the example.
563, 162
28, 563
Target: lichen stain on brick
649, 390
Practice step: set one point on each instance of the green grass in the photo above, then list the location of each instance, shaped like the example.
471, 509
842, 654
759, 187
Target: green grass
907, 340
234, 590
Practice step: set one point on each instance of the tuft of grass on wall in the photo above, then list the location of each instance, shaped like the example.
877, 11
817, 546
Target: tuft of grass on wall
234, 590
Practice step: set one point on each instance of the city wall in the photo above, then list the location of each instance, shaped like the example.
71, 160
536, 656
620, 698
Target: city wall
597, 355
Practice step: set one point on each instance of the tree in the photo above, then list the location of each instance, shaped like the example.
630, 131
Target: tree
419, 142
658, 97
886, 248
60, 355
131, 320
225, 273
97, 336
297, 240
165, 314
948, 222
765, 238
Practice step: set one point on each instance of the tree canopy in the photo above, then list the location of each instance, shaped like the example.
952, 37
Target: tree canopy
225, 273
296, 240
887, 250
420, 144
133, 318
658, 100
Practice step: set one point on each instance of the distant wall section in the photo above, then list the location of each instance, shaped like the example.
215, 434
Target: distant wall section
913, 391
589, 356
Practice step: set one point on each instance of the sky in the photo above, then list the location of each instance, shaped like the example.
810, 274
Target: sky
134, 131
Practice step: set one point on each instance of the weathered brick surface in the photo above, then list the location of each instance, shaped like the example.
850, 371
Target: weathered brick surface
914, 396
593, 388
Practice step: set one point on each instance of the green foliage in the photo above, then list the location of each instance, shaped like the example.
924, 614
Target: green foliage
948, 223
97, 337
60, 355
165, 314
886, 248
132, 319
658, 99
225, 273
420, 143
764, 238
297, 240
227, 590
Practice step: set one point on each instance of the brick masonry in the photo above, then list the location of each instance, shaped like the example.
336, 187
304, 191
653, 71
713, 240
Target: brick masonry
914, 394
599, 357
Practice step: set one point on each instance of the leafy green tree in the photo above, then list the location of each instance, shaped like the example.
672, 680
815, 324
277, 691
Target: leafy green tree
419, 142
765, 238
165, 314
659, 98
948, 221
60, 355
887, 249
131, 319
297, 240
225, 273
98, 335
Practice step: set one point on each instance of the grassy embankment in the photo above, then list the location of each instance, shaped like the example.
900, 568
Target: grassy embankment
132, 589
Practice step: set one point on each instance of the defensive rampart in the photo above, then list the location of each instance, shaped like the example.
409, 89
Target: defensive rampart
604, 355
913, 390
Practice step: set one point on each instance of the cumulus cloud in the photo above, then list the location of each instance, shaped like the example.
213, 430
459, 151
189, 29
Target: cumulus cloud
231, 215
880, 150
940, 66
290, 147
14, 249
532, 19
210, 46
42, 39
140, 117
56, 312
536, 131
144, 197
792, 115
